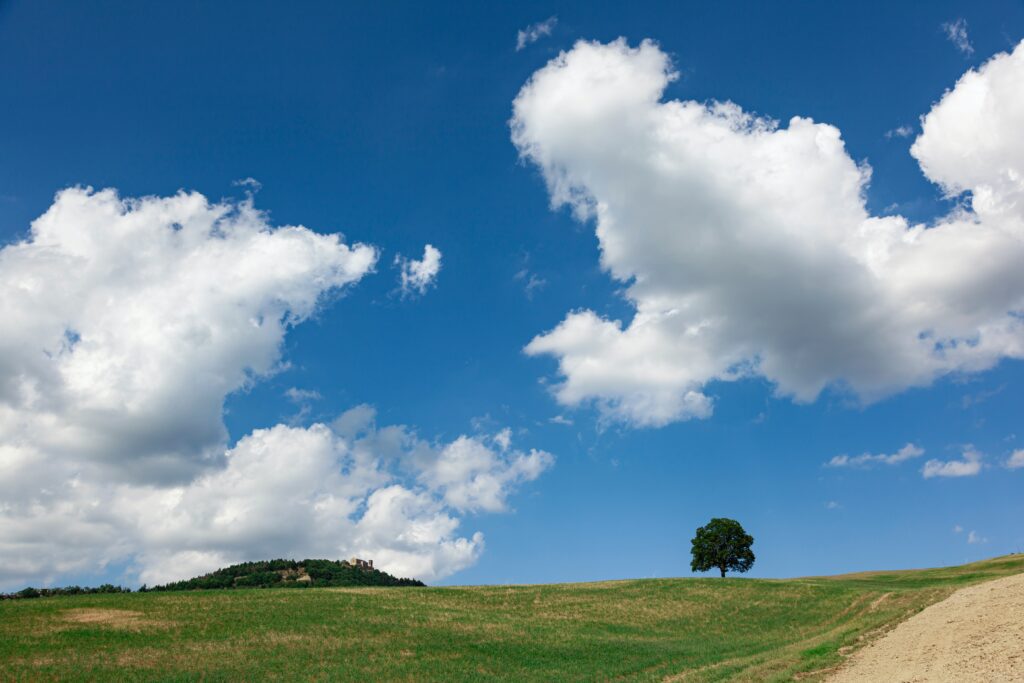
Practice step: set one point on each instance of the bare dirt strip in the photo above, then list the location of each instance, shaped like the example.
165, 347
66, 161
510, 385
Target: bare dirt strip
977, 634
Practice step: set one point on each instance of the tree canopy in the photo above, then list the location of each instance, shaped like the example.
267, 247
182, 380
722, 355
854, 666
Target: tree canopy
289, 574
722, 543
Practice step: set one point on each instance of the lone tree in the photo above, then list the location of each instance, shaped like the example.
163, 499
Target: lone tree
724, 544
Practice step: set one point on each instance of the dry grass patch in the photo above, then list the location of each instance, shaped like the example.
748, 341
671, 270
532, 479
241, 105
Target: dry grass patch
122, 619
141, 658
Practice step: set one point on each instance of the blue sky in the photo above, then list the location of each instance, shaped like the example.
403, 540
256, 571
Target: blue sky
390, 125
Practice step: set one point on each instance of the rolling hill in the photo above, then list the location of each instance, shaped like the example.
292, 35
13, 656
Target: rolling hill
646, 630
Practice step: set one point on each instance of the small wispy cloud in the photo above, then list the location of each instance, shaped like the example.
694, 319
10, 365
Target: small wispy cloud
968, 466
866, 460
956, 32
503, 439
957, 529
971, 400
250, 184
832, 505
296, 395
1016, 460
973, 538
560, 420
416, 276
900, 132
534, 32
532, 283
303, 400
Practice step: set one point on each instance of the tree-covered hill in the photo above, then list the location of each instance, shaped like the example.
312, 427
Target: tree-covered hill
288, 574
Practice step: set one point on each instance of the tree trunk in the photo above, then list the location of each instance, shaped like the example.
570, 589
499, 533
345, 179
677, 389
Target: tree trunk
722, 569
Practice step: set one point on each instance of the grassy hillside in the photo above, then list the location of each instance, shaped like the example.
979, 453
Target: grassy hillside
705, 629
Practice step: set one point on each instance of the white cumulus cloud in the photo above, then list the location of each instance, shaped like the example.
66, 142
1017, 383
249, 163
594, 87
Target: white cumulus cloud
473, 476
968, 466
318, 491
416, 276
128, 322
745, 247
323, 492
908, 452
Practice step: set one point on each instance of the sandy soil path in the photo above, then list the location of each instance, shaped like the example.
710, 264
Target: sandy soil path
977, 634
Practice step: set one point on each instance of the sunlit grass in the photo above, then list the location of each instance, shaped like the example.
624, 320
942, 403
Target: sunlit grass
707, 629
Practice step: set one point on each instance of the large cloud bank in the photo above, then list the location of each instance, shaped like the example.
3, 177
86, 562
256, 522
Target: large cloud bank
747, 249
127, 324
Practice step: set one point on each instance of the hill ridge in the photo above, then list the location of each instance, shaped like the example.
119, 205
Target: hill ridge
282, 573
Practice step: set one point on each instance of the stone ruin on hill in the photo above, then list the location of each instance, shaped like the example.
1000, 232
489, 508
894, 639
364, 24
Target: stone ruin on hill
361, 564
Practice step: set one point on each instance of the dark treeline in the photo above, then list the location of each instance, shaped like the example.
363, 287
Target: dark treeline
267, 574
67, 590
288, 574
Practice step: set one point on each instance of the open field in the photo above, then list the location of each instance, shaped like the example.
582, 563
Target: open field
679, 629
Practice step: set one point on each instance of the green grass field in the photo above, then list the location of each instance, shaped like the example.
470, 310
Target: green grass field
675, 629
